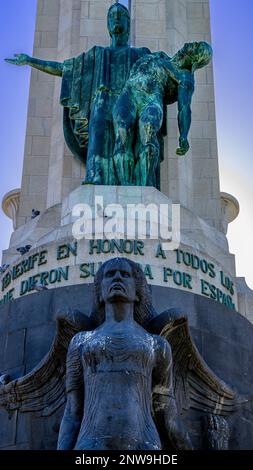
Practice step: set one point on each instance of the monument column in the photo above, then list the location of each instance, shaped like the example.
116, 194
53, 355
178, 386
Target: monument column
64, 171
206, 186
40, 115
64, 28
82, 25
192, 180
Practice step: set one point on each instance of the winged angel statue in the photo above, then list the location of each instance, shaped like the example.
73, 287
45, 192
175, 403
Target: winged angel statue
127, 374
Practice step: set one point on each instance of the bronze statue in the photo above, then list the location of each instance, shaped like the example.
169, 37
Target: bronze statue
111, 373
91, 84
216, 432
130, 372
155, 80
115, 123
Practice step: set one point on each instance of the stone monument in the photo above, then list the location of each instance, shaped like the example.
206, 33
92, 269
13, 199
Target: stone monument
64, 230
119, 358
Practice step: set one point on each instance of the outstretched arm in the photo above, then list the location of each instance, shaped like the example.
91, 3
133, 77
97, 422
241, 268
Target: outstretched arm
164, 403
185, 92
47, 66
72, 418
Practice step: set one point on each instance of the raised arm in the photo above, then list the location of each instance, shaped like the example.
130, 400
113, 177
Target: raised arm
185, 92
47, 66
165, 407
72, 418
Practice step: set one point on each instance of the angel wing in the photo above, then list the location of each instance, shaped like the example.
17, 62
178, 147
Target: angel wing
43, 389
195, 384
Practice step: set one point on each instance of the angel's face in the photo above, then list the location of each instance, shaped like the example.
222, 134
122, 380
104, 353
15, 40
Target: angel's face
118, 283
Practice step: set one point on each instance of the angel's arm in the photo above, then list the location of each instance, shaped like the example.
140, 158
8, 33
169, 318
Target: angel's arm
164, 403
47, 66
71, 422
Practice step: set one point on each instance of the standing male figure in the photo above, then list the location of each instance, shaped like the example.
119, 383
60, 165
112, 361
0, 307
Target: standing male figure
91, 84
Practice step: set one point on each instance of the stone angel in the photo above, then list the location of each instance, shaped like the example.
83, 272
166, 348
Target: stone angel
126, 373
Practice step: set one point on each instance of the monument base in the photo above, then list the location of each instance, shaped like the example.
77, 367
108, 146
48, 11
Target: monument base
197, 261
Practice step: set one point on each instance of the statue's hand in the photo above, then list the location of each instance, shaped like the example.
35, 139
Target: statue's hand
183, 146
20, 59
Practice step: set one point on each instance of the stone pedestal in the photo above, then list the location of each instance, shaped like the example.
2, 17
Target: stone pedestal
197, 261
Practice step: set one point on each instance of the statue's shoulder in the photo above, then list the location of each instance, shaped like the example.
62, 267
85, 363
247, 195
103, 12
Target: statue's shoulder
94, 51
98, 48
159, 343
161, 55
162, 346
140, 51
80, 339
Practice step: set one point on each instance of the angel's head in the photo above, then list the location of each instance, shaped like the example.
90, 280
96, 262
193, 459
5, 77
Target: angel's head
122, 280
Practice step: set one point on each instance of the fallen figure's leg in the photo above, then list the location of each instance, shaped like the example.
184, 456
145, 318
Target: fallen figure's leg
124, 118
150, 124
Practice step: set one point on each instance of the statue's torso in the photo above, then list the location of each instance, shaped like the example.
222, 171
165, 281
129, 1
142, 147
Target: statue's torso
150, 75
112, 69
118, 391
153, 76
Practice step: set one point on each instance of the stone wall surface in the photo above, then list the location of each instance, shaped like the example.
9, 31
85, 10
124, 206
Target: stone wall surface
223, 337
245, 298
40, 114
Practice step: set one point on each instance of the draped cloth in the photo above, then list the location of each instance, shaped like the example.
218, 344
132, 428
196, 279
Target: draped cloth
77, 77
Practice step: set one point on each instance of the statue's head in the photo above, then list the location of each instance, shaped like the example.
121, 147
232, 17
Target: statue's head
122, 280
119, 21
195, 55
201, 54
118, 282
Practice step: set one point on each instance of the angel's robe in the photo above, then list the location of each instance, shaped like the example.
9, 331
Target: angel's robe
90, 86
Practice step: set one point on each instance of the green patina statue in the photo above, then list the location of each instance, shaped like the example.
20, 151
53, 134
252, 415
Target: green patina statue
114, 120
155, 80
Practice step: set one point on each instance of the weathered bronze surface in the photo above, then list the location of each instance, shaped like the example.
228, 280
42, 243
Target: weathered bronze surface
115, 99
216, 432
130, 372
155, 81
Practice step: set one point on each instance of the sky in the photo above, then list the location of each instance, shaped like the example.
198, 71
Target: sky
232, 38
